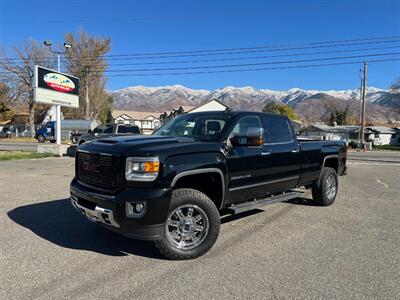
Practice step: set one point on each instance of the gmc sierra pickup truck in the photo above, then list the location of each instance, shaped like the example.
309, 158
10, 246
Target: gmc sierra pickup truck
171, 187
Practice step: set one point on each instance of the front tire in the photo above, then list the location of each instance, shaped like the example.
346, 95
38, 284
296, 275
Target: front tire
324, 191
192, 225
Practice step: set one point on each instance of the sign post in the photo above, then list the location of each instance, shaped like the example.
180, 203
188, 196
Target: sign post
56, 88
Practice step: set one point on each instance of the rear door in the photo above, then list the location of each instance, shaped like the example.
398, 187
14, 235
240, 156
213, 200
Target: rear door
281, 152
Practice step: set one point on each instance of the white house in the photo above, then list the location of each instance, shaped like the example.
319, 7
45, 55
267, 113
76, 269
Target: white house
326, 132
382, 135
213, 105
146, 121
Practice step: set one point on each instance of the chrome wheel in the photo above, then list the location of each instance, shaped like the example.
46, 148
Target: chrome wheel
187, 227
331, 187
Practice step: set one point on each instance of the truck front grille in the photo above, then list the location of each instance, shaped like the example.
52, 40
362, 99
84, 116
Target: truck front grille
98, 170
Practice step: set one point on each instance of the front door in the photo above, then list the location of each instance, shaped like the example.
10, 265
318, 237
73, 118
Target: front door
244, 164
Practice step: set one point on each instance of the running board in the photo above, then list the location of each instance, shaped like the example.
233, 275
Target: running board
235, 209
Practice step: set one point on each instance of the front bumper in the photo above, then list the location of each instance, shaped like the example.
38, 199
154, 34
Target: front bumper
110, 212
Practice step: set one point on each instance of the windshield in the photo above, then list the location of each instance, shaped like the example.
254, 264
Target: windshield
202, 127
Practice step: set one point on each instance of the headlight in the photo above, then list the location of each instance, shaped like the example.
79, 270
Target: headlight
141, 168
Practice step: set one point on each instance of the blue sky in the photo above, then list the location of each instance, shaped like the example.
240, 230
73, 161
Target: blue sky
162, 26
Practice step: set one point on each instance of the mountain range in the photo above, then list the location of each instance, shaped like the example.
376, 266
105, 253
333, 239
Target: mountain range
310, 105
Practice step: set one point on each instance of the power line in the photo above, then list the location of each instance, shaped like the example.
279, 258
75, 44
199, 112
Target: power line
251, 64
134, 57
247, 70
256, 49
254, 69
248, 57
242, 65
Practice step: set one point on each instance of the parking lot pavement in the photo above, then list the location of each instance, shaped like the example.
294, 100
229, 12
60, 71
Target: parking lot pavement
286, 250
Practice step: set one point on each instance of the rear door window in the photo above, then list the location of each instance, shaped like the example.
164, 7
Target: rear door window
121, 129
277, 130
132, 129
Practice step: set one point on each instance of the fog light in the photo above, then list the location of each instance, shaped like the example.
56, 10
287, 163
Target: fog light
135, 210
139, 207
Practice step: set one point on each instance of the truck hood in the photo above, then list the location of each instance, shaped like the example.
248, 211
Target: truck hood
162, 146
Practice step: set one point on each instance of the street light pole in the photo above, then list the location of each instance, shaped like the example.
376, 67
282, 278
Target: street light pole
58, 107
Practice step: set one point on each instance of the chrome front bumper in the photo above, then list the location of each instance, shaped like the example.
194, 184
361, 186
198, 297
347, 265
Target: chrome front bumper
98, 215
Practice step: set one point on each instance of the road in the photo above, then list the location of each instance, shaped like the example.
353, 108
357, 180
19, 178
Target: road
287, 250
17, 146
385, 157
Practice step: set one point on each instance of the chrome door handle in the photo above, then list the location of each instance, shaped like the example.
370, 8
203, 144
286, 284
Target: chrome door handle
266, 153
295, 151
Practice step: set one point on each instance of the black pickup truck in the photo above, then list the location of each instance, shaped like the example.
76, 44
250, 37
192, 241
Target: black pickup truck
172, 186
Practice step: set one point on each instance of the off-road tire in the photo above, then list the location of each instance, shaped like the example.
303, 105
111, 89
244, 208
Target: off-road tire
320, 188
187, 196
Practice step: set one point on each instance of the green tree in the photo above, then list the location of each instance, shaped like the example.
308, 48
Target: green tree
105, 116
280, 109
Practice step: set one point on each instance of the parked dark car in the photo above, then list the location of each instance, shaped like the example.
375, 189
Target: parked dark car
106, 131
171, 187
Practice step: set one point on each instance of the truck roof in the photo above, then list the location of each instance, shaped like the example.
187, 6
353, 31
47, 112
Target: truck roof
235, 113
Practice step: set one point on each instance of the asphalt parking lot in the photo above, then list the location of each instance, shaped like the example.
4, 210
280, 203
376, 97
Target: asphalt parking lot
286, 250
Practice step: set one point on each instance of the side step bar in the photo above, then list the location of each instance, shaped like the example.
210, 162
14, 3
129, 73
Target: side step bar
235, 209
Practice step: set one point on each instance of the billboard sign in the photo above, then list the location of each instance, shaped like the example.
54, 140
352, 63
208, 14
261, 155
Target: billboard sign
52, 87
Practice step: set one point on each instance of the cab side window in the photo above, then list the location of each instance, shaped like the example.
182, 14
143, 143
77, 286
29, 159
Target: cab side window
277, 130
108, 129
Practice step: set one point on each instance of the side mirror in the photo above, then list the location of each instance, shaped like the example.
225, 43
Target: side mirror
254, 137
89, 131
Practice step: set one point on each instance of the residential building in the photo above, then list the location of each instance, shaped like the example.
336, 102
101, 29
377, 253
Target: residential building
377, 135
326, 132
146, 121
382, 135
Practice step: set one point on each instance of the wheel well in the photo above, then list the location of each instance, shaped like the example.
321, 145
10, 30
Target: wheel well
333, 163
207, 183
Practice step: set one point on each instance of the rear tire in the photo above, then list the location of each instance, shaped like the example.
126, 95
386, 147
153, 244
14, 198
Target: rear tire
192, 225
324, 191
41, 139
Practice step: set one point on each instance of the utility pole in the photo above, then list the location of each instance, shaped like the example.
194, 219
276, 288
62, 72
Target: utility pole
363, 105
87, 112
58, 107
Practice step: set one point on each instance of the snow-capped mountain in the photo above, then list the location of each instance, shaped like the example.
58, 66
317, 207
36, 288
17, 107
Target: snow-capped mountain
160, 99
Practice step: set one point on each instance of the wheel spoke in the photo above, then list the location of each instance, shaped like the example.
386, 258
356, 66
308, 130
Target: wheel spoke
194, 237
173, 223
180, 214
198, 228
197, 218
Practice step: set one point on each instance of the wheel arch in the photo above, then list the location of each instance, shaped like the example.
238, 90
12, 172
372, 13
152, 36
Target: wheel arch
190, 179
330, 161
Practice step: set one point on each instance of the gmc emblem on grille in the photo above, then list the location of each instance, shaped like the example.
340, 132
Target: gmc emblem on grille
90, 167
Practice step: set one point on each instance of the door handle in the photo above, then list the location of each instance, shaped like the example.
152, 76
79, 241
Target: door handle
266, 153
295, 150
